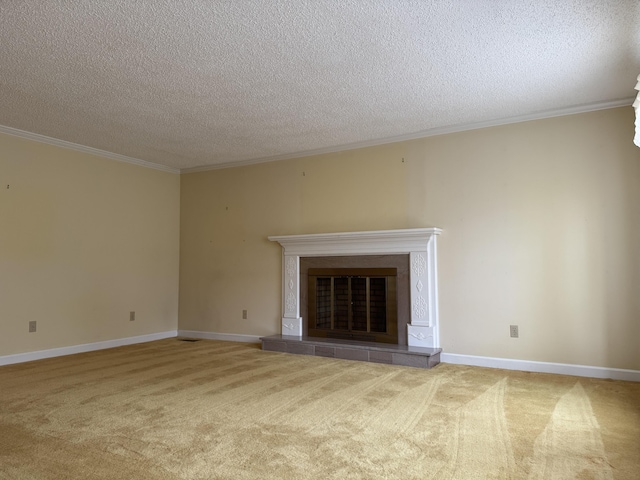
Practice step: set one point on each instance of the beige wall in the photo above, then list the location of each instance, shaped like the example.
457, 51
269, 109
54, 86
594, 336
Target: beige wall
541, 229
83, 241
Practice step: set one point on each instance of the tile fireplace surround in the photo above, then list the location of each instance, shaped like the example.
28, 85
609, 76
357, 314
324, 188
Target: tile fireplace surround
419, 243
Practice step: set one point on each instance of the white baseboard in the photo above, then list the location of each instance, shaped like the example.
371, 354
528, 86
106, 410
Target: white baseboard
87, 347
229, 337
471, 360
542, 367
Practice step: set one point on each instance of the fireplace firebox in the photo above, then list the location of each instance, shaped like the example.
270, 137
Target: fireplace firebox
353, 303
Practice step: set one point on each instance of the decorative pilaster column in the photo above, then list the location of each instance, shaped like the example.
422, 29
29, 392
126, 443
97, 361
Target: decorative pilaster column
292, 321
423, 331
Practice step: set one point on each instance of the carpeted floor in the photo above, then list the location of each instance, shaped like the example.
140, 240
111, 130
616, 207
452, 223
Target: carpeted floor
218, 410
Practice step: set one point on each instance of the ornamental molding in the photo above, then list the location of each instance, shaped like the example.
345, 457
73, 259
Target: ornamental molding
291, 267
419, 265
420, 307
291, 302
420, 336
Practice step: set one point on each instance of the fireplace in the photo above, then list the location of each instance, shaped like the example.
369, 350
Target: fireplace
369, 255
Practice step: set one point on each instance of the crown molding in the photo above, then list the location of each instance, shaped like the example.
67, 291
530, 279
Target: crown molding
559, 112
84, 149
591, 107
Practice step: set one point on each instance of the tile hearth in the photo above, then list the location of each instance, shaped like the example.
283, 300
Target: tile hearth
420, 357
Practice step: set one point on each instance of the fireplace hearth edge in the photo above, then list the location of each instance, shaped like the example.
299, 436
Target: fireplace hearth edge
404, 355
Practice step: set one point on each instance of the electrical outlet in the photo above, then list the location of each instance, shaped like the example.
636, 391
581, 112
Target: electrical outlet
32, 326
244, 314
132, 316
513, 330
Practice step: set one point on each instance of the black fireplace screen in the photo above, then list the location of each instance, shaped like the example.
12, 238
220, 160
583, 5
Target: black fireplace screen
353, 303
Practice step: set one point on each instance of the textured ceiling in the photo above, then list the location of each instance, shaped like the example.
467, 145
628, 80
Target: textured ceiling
195, 83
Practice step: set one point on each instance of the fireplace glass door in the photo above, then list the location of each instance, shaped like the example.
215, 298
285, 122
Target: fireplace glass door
353, 303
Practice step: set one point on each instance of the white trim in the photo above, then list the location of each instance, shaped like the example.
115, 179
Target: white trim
542, 367
431, 132
592, 107
82, 148
87, 347
228, 337
375, 242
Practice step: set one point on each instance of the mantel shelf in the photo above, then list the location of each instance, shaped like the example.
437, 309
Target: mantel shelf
356, 243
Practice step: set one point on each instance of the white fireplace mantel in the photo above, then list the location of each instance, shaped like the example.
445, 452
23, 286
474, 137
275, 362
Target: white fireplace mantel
419, 243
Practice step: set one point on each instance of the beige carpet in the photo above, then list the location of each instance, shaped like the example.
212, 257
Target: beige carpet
218, 410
